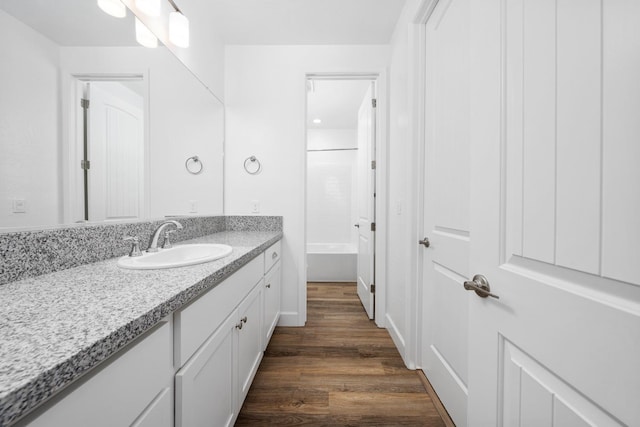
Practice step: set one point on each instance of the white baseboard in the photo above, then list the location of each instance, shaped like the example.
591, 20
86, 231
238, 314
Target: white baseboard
289, 318
397, 338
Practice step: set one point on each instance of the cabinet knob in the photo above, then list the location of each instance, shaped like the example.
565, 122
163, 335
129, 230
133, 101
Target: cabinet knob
243, 320
269, 286
274, 255
239, 325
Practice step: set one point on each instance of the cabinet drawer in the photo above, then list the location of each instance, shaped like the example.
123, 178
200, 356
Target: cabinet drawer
196, 322
272, 255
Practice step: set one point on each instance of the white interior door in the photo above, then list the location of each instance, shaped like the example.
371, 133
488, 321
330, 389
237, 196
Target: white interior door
366, 202
116, 145
445, 260
555, 213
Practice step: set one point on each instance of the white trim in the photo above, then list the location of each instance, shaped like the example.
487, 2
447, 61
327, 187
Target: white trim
382, 167
382, 186
399, 341
290, 318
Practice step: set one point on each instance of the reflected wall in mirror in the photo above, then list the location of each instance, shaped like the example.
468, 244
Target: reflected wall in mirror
147, 115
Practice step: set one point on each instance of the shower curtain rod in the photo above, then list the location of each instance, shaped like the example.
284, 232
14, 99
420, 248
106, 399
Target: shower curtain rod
334, 149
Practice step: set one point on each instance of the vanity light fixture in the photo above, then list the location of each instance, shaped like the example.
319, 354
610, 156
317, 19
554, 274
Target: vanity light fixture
149, 7
144, 36
114, 8
178, 27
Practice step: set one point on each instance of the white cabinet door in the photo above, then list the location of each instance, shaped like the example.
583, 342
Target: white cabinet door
122, 391
206, 385
159, 413
249, 340
271, 303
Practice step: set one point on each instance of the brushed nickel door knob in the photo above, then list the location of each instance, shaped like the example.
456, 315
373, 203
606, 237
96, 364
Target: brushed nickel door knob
480, 285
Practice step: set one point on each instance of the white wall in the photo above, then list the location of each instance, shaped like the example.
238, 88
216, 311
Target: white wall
318, 139
331, 186
402, 241
265, 97
29, 125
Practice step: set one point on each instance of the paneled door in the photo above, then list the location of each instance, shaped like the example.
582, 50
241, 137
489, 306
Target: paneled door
116, 150
366, 201
555, 213
445, 253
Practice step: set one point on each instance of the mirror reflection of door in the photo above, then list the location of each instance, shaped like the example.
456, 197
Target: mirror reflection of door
114, 147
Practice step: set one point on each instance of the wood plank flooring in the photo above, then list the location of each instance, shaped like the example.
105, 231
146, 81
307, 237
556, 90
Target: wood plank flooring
339, 370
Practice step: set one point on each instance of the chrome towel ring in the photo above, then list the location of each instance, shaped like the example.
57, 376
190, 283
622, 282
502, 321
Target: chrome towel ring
194, 165
252, 165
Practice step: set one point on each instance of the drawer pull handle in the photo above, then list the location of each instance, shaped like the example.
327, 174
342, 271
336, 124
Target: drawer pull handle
274, 255
243, 320
269, 286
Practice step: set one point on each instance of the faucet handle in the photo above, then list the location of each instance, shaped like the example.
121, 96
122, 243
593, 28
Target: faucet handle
135, 245
166, 244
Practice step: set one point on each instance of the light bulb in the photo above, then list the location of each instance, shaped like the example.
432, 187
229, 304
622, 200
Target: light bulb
149, 7
113, 7
144, 36
178, 29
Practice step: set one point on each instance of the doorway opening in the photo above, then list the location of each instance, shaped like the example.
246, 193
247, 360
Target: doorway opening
107, 168
340, 189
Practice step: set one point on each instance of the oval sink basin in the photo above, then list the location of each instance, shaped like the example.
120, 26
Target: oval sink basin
177, 256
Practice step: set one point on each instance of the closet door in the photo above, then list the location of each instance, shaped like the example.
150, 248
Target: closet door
555, 208
445, 250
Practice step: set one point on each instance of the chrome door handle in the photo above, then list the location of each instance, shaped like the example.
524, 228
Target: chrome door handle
425, 242
356, 225
480, 284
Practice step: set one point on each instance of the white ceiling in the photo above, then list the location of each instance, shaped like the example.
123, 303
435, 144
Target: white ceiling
73, 22
82, 23
336, 103
305, 21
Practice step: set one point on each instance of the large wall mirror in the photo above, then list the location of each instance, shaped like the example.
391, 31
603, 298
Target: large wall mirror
95, 127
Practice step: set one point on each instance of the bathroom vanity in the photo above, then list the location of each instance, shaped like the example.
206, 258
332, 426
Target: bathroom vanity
103, 346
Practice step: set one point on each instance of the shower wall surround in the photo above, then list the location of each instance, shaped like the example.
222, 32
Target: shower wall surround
26, 254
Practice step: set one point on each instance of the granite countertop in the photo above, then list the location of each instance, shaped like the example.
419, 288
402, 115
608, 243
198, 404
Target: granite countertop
56, 327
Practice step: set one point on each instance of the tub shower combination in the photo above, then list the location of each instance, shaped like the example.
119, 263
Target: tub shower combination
331, 262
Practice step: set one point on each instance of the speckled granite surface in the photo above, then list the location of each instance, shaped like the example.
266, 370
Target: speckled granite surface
55, 327
26, 254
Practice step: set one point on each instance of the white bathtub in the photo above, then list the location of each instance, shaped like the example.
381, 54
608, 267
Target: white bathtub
331, 262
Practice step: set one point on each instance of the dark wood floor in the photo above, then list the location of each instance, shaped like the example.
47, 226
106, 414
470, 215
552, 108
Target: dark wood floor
339, 370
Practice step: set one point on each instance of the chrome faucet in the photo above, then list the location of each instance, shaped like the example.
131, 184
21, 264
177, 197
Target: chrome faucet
153, 243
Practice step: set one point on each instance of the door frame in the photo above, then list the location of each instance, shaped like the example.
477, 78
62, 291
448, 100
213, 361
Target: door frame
381, 183
71, 131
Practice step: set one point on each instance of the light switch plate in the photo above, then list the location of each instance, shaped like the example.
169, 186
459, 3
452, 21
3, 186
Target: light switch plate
19, 206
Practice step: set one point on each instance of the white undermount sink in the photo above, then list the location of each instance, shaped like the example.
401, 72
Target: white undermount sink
177, 256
